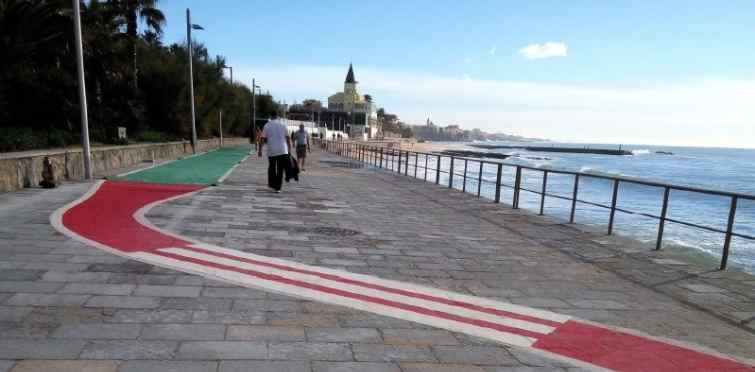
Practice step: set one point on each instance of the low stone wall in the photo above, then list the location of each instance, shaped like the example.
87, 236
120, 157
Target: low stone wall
19, 170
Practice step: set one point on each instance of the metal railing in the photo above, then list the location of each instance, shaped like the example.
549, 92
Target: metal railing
399, 161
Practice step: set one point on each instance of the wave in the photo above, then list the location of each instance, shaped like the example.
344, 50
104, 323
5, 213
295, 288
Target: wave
641, 152
590, 170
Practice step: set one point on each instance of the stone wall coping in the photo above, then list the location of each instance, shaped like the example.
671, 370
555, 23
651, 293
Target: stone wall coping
58, 151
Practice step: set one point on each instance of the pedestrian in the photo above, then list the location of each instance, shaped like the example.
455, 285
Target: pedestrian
277, 142
301, 141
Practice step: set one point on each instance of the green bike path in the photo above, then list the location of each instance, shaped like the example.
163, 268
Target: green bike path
203, 169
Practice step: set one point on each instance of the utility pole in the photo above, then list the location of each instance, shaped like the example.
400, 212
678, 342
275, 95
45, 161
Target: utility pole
85, 152
253, 125
191, 84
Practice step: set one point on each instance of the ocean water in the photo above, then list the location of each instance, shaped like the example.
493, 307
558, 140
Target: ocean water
723, 169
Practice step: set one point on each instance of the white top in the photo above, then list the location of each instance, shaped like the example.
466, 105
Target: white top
275, 132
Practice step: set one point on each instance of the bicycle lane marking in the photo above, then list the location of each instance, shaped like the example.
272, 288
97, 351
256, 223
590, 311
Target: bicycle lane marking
111, 217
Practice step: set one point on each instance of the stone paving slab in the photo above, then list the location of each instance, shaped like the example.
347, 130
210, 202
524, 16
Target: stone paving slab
80, 308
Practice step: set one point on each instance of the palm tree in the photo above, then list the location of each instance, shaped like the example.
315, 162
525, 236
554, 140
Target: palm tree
132, 11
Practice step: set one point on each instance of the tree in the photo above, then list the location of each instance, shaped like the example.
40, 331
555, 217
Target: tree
133, 11
312, 104
38, 78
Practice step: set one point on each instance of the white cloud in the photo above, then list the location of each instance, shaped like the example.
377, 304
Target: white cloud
492, 51
709, 112
545, 50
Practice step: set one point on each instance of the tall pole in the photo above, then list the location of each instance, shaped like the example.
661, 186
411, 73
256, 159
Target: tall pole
220, 126
231, 68
191, 84
86, 152
252, 137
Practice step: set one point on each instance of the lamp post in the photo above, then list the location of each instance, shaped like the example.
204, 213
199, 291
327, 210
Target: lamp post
230, 68
189, 27
86, 152
253, 124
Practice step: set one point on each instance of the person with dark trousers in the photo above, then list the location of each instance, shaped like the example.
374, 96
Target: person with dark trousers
276, 140
300, 139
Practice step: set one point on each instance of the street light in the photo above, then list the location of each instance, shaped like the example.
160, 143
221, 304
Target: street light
253, 125
230, 68
86, 153
190, 26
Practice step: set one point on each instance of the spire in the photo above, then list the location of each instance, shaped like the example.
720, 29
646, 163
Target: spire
350, 75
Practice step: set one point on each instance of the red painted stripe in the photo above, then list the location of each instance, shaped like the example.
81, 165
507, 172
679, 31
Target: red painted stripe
107, 216
402, 292
356, 296
626, 352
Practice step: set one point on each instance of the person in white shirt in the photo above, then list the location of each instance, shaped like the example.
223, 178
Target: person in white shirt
277, 142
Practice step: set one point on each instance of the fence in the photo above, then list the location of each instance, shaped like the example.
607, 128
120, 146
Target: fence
400, 161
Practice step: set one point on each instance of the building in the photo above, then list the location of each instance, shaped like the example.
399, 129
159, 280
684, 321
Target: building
359, 112
454, 131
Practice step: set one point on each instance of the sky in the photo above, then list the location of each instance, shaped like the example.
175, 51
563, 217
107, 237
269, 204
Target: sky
606, 71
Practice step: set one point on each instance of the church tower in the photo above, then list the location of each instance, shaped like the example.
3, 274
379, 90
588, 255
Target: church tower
350, 87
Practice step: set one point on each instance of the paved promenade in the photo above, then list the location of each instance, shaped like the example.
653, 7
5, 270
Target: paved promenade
64, 304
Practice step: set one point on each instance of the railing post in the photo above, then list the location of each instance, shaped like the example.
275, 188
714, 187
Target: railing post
426, 167
729, 231
517, 186
613, 206
464, 186
479, 179
437, 171
575, 192
381, 157
406, 166
416, 161
399, 162
662, 223
542, 195
498, 184
451, 174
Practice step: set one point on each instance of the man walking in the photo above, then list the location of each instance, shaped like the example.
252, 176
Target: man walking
277, 142
301, 141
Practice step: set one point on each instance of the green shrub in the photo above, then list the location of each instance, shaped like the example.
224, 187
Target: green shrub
59, 138
19, 139
152, 136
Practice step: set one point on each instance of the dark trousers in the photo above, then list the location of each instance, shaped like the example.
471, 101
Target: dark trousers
276, 166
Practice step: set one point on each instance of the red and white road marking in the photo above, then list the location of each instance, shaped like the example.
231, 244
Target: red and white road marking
111, 217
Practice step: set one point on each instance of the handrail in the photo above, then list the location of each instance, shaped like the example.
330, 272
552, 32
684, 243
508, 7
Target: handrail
377, 156
593, 175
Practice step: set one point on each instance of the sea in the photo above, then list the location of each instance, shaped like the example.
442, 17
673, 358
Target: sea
724, 169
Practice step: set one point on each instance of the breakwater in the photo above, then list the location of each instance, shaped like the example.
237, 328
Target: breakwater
475, 154
570, 150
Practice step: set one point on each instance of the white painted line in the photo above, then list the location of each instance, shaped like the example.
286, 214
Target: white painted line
228, 173
310, 294
510, 322
140, 169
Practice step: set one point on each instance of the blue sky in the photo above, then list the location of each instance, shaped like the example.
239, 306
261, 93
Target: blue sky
665, 72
